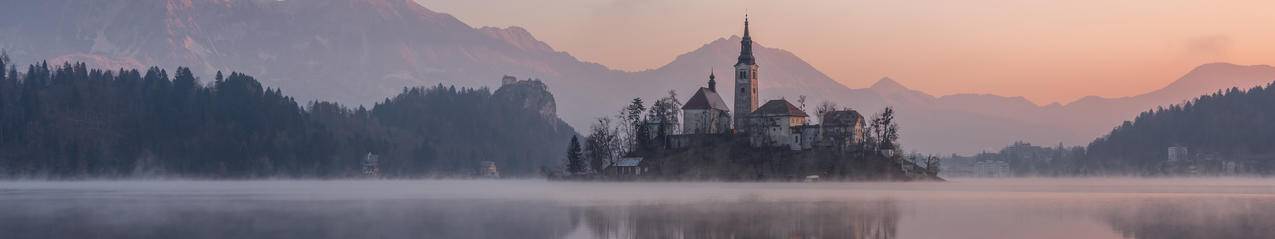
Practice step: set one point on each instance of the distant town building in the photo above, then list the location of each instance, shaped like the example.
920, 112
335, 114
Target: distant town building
1230, 167
508, 79
706, 112
991, 168
488, 170
1178, 153
372, 165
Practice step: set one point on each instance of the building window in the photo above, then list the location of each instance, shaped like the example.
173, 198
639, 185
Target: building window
743, 90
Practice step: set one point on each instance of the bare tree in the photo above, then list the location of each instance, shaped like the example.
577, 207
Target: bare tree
883, 132
601, 145
801, 102
823, 108
932, 164
666, 112
631, 120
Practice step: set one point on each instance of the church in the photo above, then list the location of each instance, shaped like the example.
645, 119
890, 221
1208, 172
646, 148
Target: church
778, 123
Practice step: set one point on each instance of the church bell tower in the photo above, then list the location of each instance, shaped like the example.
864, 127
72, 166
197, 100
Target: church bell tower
745, 81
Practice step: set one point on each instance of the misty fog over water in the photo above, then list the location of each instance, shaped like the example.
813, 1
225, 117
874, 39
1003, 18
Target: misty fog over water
963, 208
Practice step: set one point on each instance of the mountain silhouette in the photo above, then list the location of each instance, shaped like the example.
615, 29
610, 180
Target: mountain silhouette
362, 51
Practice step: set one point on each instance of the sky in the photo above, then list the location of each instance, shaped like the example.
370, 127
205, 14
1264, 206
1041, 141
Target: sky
1046, 51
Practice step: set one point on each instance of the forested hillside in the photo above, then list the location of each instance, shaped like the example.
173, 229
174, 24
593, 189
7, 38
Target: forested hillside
71, 121
1225, 133
1235, 127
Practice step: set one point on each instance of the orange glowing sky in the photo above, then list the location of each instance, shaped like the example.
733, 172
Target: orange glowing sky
1047, 51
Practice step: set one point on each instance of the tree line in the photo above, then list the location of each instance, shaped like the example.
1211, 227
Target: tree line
72, 121
632, 129
1233, 125
1226, 132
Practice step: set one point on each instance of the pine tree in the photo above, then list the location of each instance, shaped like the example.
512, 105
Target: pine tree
575, 164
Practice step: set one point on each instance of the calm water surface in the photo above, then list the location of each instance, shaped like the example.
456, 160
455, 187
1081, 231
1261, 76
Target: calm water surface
1019, 208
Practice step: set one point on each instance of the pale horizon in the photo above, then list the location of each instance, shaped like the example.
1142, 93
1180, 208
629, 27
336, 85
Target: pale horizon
1044, 51
449, 119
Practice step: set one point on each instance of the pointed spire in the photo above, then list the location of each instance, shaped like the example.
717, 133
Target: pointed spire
712, 80
746, 46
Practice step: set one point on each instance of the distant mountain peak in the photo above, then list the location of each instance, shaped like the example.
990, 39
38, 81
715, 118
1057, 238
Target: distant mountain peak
1223, 68
518, 37
888, 84
1223, 65
1210, 77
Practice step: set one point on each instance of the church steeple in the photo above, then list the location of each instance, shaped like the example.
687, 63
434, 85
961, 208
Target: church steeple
712, 81
745, 81
746, 47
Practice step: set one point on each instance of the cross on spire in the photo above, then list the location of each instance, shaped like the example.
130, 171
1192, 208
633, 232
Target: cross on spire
746, 46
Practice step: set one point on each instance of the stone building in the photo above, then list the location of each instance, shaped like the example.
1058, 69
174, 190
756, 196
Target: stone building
841, 129
705, 112
777, 123
809, 136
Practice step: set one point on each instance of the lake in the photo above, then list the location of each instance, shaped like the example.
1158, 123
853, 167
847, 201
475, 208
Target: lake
962, 208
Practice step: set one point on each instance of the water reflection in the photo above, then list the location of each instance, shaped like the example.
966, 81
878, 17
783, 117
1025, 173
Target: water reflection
192, 218
1238, 218
744, 219
1039, 209
251, 218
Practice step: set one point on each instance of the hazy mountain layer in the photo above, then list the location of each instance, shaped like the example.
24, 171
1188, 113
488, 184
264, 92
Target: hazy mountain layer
361, 51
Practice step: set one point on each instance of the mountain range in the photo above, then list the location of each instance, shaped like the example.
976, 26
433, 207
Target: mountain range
362, 51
